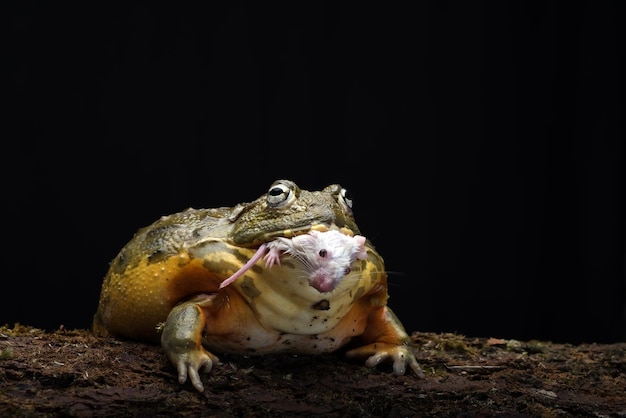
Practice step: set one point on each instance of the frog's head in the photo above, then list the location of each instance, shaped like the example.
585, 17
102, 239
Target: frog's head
286, 211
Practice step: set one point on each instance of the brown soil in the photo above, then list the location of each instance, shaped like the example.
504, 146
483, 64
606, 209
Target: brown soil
72, 373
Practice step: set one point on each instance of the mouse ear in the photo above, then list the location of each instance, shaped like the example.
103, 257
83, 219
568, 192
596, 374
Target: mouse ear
361, 252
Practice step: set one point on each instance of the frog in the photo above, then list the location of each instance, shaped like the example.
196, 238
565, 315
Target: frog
165, 287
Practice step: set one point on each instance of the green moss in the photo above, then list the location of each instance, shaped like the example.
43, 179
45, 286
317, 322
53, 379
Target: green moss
6, 354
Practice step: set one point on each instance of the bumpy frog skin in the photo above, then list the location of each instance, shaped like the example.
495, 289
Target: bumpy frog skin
164, 285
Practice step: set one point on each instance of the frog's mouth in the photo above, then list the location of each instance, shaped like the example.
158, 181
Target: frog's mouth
262, 250
290, 233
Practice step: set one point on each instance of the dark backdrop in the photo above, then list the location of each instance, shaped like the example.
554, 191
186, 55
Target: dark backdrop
482, 142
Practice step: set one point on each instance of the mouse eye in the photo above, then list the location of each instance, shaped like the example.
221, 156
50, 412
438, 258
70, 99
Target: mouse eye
346, 271
323, 253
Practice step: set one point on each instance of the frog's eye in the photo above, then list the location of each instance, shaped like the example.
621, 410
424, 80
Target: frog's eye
346, 197
279, 194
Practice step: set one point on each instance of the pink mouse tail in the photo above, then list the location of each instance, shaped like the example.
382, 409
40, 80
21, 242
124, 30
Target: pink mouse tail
259, 253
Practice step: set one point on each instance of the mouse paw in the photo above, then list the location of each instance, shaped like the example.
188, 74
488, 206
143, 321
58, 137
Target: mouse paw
272, 257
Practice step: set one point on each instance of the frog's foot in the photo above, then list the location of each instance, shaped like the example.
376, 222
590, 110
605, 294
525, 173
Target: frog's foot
400, 355
181, 339
190, 363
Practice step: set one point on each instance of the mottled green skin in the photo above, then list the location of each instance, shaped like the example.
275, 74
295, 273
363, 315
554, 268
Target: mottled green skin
257, 222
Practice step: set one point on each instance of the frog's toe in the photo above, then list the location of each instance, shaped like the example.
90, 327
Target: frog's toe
191, 363
401, 358
377, 353
414, 365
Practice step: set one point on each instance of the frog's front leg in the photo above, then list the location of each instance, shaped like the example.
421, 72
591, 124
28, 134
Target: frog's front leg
181, 338
386, 340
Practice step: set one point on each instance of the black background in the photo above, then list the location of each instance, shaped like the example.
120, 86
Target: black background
482, 143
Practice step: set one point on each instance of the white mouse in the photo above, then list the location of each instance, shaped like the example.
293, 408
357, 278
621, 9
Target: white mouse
326, 257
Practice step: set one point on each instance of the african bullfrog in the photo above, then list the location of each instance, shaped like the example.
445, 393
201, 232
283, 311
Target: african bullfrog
164, 286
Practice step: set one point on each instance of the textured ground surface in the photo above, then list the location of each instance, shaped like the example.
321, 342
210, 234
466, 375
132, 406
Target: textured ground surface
71, 373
